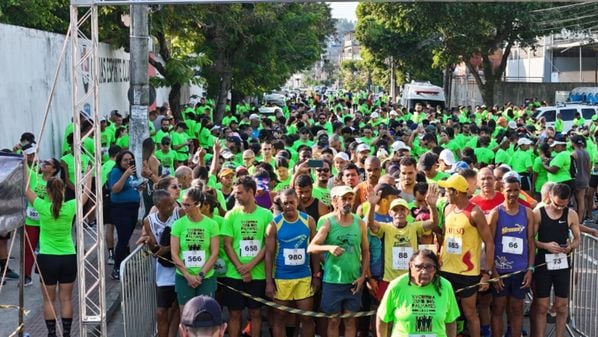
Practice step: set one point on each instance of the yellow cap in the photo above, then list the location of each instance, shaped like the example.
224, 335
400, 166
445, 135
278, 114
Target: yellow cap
399, 202
456, 181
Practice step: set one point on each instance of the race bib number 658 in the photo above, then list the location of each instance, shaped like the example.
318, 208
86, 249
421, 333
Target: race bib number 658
249, 248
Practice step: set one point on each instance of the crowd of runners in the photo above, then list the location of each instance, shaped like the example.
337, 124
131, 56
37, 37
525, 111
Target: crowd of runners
441, 220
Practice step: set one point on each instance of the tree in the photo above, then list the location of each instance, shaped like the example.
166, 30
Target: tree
466, 30
48, 15
257, 47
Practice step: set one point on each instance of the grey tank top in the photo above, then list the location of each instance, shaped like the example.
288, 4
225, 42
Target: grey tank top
582, 180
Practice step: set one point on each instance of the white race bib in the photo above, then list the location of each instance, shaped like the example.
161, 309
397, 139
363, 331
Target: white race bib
294, 257
32, 213
454, 245
400, 257
556, 261
220, 267
194, 258
250, 248
512, 245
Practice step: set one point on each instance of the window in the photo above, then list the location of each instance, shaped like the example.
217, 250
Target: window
549, 115
587, 113
567, 114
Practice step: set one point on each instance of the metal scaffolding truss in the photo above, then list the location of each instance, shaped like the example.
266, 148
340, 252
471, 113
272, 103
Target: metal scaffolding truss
90, 243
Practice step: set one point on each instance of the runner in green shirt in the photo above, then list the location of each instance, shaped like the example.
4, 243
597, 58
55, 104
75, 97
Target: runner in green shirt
558, 167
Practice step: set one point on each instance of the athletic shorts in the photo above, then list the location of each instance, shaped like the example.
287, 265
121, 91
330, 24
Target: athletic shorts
165, 296
462, 284
526, 182
59, 269
382, 286
184, 292
293, 289
594, 180
512, 287
235, 301
338, 298
545, 279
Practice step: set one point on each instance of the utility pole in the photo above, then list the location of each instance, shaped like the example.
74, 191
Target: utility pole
139, 93
393, 85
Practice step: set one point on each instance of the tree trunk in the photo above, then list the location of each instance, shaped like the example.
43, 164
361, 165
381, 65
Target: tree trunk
174, 100
224, 88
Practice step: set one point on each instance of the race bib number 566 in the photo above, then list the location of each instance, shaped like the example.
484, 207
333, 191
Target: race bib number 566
194, 258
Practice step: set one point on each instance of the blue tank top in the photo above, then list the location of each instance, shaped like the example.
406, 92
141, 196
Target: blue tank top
510, 241
292, 238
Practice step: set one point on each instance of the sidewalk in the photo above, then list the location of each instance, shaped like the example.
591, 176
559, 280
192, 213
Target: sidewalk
34, 320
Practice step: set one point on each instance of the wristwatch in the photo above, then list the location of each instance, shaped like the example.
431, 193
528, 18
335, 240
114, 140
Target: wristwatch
201, 275
488, 272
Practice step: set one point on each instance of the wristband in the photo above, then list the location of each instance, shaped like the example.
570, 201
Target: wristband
532, 269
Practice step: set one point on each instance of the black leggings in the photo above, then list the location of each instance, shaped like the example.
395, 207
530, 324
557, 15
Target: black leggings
124, 217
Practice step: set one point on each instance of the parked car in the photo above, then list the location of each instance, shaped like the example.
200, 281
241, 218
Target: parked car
567, 113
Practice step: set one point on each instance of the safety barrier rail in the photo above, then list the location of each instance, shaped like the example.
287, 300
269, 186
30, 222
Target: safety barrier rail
138, 303
583, 304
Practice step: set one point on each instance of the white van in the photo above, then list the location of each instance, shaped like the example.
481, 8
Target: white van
567, 112
422, 92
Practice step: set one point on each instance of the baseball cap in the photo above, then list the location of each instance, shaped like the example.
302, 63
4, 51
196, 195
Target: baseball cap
461, 165
254, 116
511, 174
215, 128
524, 141
456, 181
342, 155
393, 113
399, 145
226, 154
558, 141
362, 147
28, 149
339, 191
225, 171
374, 115
202, 312
399, 202
512, 125
447, 157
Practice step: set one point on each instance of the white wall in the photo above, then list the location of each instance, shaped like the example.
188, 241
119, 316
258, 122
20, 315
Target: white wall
29, 59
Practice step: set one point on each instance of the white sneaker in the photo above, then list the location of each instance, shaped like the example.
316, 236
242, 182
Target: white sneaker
110, 260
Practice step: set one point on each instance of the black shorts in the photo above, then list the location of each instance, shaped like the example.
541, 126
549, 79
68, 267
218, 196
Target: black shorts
545, 279
57, 268
594, 180
235, 301
462, 285
165, 296
526, 182
106, 205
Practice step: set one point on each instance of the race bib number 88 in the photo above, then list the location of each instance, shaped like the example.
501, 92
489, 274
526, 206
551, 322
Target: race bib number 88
400, 257
250, 248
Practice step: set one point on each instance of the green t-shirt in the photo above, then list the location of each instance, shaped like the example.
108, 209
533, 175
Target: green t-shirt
159, 135
439, 176
322, 193
194, 239
484, 155
521, 161
541, 174
418, 311
56, 236
344, 269
248, 233
562, 160
69, 160
123, 141
167, 159
179, 138
502, 157
284, 184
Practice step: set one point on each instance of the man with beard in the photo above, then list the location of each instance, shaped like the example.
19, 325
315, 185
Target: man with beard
303, 187
407, 172
465, 228
343, 236
290, 280
163, 132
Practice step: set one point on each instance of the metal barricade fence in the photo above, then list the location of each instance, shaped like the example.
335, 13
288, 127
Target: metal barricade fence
138, 286
583, 306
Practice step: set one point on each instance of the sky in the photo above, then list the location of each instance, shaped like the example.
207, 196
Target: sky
344, 10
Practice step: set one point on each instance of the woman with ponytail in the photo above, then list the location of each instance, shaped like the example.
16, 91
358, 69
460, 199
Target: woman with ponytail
420, 302
38, 179
57, 259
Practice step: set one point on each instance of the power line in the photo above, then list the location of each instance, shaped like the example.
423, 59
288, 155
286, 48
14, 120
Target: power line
559, 8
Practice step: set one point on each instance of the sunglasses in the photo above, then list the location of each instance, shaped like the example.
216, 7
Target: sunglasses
423, 266
325, 170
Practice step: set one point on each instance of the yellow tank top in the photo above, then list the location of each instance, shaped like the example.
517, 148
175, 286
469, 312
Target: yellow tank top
462, 246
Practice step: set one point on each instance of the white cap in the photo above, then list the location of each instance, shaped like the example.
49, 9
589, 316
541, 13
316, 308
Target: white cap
339, 191
393, 113
512, 125
399, 145
555, 143
254, 116
375, 115
362, 147
524, 141
342, 155
226, 154
29, 150
447, 157
382, 153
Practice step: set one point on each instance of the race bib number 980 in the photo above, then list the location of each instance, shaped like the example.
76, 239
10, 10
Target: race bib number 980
294, 257
250, 248
194, 258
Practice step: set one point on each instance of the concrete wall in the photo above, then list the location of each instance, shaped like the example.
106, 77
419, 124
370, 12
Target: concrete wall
29, 58
517, 92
